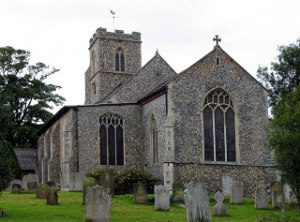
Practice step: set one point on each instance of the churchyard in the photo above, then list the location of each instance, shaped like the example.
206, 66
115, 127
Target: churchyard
26, 207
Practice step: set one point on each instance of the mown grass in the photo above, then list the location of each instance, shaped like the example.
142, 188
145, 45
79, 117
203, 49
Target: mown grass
25, 207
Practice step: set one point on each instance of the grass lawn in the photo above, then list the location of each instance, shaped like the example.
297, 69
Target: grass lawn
25, 207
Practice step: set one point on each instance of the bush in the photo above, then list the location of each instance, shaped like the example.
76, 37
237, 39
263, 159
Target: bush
124, 182
98, 173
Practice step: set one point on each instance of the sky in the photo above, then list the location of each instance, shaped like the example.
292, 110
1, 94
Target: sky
57, 32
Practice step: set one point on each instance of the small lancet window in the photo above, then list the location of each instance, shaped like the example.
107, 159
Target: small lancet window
154, 140
218, 61
119, 60
219, 127
93, 62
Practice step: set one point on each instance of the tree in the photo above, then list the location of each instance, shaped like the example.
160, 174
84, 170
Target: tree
25, 97
283, 83
9, 167
284, 139
285, 73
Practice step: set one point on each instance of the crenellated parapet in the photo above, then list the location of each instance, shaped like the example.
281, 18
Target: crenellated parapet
117, 35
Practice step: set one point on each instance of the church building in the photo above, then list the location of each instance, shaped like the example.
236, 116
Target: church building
204, 123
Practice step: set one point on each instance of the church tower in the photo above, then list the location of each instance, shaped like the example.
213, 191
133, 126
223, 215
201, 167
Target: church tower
114, 57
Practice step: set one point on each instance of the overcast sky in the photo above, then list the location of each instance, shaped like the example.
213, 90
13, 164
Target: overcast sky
57, 32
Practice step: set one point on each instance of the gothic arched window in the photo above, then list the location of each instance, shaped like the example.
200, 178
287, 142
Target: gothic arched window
154, 140
219, 128
111, 139
119, 60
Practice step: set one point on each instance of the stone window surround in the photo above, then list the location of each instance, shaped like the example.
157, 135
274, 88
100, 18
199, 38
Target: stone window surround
124, 141
237, 148
118, 50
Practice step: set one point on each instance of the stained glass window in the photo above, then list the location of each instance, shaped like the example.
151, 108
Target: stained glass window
111, 139
120, 61
219, 128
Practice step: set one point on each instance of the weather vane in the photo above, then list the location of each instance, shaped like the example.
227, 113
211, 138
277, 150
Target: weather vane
113, 17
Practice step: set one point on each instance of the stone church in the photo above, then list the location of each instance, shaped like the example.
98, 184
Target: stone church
203, 123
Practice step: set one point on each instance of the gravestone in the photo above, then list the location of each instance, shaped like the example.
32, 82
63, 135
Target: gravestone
140, 193
15, 181
196, 203
289, 194
178, 192
236, 194
32, 186
107, 181
220, 209
227, 185
52, 197
88, 182
42, 191
162, 197
98, 204
261, 196
276, 194
16, 188
29, 178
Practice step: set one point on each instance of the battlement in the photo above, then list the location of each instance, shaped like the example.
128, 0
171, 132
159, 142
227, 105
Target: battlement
117, 35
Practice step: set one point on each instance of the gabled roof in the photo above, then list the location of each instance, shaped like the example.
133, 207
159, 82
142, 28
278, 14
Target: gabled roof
27, 158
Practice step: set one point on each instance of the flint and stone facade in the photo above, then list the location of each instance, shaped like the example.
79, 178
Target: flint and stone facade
161, 113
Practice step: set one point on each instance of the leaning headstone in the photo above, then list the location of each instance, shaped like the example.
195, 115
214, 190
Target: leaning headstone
276, 194
107, 181
261, 196
178, 192
289, 194
52, 197
42, 191
162, 197
98, 204
236, 194
227, 185
196, 203
32, 186
220, 209
140, 193
88, 182
16, 188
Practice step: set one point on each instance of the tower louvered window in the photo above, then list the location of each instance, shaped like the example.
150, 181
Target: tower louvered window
219, 128
119, 61
111, 139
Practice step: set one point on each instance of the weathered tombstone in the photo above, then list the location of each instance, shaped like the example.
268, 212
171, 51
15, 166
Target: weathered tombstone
88, 182
98, 204
140, 193
42, 191
15, 181
52, 197
236, 194
276, 194
220, 209
289, 194
227, 184
162, 197
261, 196
32, 186
16, 188
107, 181
178, 192
196, 203
29, 178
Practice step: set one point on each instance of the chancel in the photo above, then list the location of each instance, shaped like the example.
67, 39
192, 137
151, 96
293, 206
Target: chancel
204, 123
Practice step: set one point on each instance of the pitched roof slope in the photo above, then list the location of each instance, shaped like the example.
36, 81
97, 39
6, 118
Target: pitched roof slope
155, 73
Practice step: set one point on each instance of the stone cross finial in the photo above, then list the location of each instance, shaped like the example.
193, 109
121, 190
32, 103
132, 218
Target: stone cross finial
217, 39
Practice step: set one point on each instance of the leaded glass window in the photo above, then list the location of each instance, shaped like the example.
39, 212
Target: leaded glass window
111, 139
119, 60
154, 140
219, 128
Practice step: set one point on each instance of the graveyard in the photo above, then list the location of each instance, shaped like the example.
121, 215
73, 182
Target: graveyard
26, 207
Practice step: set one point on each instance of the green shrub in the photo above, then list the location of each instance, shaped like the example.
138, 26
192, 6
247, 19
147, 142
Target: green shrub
124, 182
98, 173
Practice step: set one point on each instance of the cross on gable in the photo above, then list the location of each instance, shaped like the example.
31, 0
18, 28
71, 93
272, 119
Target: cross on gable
217, 39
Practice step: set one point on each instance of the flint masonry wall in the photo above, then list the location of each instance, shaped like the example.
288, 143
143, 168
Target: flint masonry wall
250, 106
